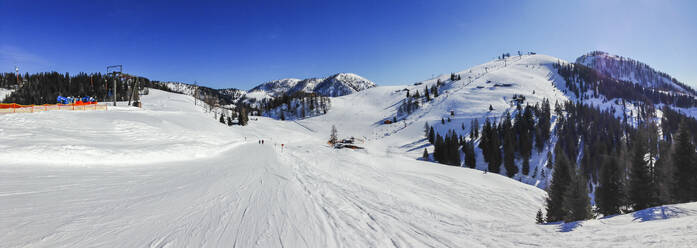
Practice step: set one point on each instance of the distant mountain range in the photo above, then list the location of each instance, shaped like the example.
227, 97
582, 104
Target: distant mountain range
340, 84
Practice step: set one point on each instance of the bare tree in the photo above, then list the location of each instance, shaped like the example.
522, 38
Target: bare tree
333, 136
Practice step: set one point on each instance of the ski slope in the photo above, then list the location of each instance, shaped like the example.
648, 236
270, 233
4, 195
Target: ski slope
170, 175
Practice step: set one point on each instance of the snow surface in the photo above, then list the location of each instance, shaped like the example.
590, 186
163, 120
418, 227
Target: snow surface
170, 175
5, 93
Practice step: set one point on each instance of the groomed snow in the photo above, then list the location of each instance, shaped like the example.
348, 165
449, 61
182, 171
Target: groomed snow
169, 175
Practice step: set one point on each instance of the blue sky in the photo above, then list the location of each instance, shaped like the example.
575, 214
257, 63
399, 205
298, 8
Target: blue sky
243, 43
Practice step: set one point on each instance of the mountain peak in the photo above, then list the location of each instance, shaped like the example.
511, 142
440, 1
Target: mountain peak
627, 69
339, 84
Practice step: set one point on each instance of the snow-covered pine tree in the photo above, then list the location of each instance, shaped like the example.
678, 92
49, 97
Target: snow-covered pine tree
539, 219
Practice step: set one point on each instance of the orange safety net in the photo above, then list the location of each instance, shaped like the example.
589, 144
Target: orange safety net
6, 108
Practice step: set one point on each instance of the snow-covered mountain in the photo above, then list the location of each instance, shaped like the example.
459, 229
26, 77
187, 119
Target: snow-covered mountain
336, 85
170, 175
276, 87
628, 69
342, 84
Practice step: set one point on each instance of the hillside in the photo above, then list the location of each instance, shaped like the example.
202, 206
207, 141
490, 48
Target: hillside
254, 195
627, 69
468, 98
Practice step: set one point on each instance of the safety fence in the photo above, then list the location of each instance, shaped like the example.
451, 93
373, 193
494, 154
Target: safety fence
8, 108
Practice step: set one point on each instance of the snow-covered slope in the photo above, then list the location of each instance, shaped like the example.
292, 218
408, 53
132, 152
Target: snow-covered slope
627, 69
192, 182
493, 83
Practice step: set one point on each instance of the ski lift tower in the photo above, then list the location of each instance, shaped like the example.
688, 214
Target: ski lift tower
17, 74
115, 71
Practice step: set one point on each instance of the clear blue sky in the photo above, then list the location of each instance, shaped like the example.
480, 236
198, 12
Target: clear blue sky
243, 43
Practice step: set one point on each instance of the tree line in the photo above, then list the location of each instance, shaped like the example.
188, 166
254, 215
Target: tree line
501, 142
634, 167
586, 82
293, 106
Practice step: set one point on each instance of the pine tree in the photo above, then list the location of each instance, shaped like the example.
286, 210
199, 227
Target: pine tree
495, 150
242, 118
508, 154
508, 147
474, 129
609, 195
539, 219
427, 94
426, 129
641, 191
561, 178
526, 133
491, 108
664, 173
685, 188
539, 140
431, 136
454, 150
470, 157
526, 166
438, 149
576, 204
544, 125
